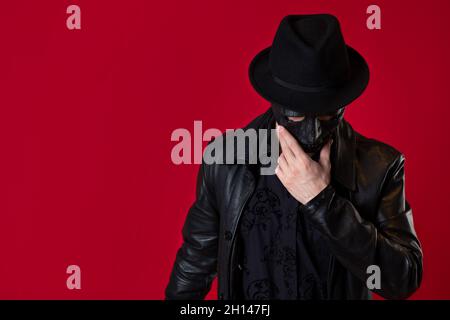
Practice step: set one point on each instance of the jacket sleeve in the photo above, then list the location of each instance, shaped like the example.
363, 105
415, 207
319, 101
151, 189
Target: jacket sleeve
195, 264
389, 242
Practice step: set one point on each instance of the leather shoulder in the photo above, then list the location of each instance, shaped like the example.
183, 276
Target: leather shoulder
375, 151
375, 160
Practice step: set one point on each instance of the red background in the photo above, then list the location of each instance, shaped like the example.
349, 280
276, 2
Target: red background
86, 117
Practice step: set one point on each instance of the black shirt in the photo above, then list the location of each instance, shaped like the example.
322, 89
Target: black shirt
284, 257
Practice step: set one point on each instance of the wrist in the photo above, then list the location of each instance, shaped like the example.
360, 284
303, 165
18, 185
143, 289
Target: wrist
324, 194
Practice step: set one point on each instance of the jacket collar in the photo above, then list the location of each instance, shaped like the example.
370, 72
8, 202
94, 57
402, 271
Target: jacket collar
342, 153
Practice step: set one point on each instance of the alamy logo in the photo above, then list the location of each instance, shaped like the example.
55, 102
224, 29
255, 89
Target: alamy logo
73, 21
374, 20
374, 280
74, 280
238, 146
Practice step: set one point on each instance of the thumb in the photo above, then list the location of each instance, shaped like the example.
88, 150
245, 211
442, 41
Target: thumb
325, 154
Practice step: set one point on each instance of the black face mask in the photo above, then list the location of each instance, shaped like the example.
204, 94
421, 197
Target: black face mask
311, 132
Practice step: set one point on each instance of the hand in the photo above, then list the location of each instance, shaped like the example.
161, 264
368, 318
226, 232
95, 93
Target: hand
303, 177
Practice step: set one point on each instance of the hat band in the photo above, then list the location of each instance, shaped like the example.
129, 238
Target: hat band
298, 87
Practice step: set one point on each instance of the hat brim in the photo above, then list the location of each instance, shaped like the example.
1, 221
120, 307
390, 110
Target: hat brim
309, 102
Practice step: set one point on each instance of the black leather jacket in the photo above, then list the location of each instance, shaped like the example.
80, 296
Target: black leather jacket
363, 213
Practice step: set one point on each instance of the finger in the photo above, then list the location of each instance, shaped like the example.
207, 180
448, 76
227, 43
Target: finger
283, 163
325, 155
289, 155
280, 173
292, 144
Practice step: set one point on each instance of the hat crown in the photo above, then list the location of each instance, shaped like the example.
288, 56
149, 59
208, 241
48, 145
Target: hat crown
309, 51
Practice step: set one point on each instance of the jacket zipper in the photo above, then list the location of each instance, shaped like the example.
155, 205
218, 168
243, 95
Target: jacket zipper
332, 258
247, 196
329, 276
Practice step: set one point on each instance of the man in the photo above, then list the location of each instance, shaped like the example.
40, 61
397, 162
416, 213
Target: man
336, 206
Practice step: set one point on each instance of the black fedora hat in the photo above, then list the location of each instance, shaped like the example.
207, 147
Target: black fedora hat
309, 68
